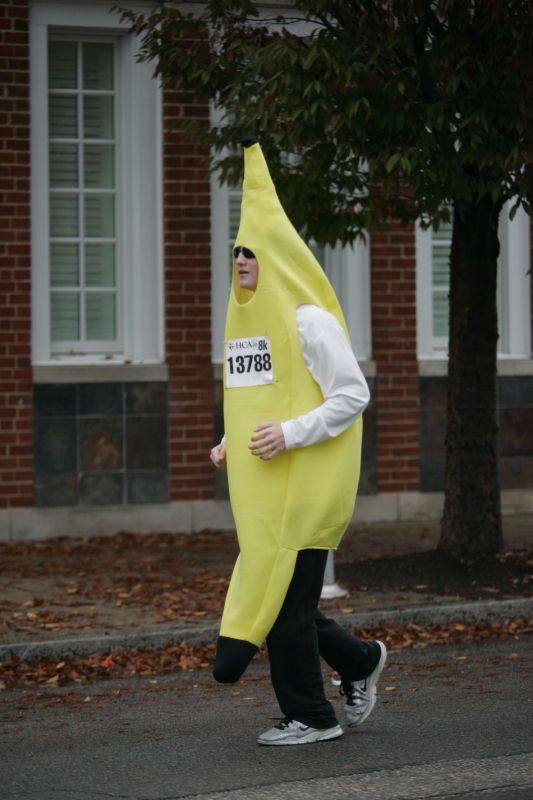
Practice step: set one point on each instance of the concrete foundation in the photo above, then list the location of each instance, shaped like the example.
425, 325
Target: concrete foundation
20, 524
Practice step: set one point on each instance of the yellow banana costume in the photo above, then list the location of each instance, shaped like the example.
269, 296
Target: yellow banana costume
303, 498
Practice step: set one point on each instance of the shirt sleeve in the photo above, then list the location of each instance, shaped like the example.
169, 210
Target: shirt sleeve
330, 360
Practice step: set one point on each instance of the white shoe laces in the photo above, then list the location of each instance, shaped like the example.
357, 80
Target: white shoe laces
355, 692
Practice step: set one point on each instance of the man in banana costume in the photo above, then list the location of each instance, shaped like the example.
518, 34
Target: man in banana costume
293, 399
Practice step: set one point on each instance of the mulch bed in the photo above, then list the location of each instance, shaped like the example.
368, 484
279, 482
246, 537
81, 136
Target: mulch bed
507, 574
172, 576
166, 578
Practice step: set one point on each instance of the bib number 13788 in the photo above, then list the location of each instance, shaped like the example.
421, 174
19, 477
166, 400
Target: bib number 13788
248, 362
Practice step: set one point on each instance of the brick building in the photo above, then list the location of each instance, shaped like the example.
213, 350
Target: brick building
114, 265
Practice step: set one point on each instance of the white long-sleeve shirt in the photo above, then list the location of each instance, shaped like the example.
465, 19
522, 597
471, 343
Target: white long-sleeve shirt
330, 360
333, 365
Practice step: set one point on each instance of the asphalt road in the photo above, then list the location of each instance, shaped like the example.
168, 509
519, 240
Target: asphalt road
450, 723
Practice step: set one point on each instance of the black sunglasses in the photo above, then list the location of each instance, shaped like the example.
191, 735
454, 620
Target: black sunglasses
244, 250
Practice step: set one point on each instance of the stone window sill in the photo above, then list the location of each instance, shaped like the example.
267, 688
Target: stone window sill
438, 367
113, 372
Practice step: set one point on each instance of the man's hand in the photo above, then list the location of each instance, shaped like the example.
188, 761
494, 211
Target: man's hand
267, 440
218, 455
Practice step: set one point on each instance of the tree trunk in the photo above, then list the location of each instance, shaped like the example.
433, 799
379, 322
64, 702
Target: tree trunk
471, 525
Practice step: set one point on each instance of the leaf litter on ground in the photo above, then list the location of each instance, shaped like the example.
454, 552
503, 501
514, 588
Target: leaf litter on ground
17, 674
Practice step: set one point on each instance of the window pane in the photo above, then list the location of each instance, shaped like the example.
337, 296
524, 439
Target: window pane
235, 199
62, 71
99, 215
64, 266
444, 232
100, 264
63, 165
97, 66
65, 317
63, 215
98, 117
63, 116
82, 152
440, 314
440, 278
98, 166
441, 265
100, 316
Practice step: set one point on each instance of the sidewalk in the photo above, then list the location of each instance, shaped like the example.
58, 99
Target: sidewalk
78, 596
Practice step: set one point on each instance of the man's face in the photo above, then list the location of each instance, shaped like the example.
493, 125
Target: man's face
247, 268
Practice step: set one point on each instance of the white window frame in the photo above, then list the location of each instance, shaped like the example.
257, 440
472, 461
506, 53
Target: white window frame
513, 291
348, 269
139, 184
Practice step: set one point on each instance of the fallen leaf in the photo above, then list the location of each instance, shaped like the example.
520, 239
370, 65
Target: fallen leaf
390, 688
87, 699
187, 656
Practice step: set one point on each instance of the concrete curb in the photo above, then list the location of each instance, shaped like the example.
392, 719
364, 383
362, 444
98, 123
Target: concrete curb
473, 612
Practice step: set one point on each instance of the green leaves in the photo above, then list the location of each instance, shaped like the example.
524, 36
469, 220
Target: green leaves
393, 161
436, 100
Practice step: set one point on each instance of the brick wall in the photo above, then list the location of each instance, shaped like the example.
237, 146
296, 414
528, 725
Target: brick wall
393, 277
188, 303
16, 461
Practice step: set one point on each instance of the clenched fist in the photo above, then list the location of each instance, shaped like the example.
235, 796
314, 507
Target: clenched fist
218, 455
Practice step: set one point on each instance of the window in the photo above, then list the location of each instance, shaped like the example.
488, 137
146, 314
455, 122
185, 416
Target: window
433, 253
96, 191
441, 241
346, 267
83, 195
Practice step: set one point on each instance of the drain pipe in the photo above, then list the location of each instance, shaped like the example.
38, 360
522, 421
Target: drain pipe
330, 588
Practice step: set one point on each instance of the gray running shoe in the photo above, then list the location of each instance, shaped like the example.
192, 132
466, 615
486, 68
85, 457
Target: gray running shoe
361, 695
290, 731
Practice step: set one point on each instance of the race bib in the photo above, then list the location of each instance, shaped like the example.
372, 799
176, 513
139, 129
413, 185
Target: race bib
248, 362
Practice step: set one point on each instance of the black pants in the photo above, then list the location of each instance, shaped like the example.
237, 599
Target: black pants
300, 635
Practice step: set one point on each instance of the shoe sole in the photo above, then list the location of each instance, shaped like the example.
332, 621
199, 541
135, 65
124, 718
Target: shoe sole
311, 738
372, 681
